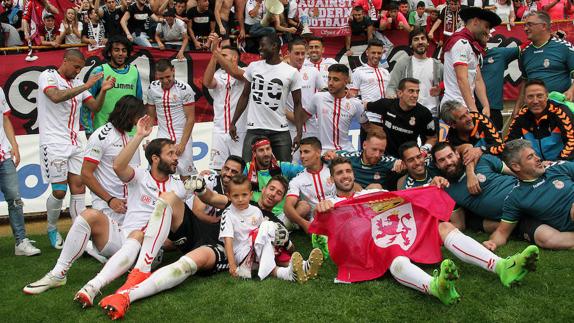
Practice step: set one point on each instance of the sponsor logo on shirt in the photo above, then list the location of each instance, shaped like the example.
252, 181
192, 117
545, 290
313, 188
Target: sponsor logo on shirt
145, 199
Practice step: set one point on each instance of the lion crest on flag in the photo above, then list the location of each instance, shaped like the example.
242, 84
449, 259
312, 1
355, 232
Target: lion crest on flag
394, 226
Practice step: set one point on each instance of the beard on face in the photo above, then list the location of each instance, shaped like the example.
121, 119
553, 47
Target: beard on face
165, 167
456, 174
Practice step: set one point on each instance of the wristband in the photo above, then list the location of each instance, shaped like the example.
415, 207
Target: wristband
110, 199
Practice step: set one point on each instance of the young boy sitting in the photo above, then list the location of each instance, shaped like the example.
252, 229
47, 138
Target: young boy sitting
240, 223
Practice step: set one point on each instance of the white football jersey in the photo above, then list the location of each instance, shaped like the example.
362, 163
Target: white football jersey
334, 117
169, 107
103, 147
143, 191
311, 82
372, 84
270, 86
4, 143
225, 96
322, 66
238, 224
461, 53
59, 122
312, 187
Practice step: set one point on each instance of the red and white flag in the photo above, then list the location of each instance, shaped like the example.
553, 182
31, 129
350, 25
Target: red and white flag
367, 232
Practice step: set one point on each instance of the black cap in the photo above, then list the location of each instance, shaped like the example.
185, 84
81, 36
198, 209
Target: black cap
170, 12
482, 14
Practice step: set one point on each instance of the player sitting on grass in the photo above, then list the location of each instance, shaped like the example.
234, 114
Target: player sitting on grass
441, 284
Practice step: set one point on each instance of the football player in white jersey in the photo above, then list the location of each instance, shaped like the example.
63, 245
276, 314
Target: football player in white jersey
172, 104
316, 60
269, 82
60, 96
335, 111
225, 86
311, 82
312, 185
102, 223
370, 81
510, 270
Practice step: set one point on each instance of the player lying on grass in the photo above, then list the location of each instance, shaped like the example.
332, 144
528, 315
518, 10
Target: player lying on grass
442, 283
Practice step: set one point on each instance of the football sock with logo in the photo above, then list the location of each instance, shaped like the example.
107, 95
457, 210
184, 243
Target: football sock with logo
118, 264
77, 205
74, 246
408, 274
156, 232
53, 208
164, 278
470, 250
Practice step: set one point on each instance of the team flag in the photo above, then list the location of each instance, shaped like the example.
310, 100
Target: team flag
367, 232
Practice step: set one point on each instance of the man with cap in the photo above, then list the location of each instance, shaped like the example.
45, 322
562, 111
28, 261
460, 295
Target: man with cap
462, 53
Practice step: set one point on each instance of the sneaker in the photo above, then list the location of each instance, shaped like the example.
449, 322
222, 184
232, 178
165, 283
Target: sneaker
296, 268
93, 252
116, 305
134, 277
25, 248
56, 239
319, 241
313, 263
513, 269
86, 295
442, 283
47, 282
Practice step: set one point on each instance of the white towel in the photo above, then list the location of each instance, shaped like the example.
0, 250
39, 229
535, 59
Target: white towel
264, 249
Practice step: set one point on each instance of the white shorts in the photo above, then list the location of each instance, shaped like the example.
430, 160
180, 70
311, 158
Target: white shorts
101, 205
185, 165
116, 239
59, 160
222, 146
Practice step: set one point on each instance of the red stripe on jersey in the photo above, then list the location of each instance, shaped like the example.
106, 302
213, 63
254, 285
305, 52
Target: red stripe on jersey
49, 87
294, 195
316, 187
167, 113
322, 197
86, 99
318, 65
227, 105
380, 82
71, 117
336, 119
159, 231
460, 64
91, 160
7, 113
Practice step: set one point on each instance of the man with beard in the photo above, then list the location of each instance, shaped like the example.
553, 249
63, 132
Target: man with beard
419, 172
128, 82
483, 211
429, 71
404, 119
335, 111
442, 285
371, 166
315, 50
172, 104
544, 194
462, 53
263, 166
269, 82
104, 223
311, 185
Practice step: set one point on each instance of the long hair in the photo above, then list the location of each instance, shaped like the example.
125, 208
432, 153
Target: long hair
127, 109
120, 40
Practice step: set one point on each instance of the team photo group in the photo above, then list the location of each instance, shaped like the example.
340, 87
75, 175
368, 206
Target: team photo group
283, 162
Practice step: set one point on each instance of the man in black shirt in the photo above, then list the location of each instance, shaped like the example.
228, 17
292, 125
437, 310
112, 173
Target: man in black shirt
403, 119
111, 15
136, 22
360, 25
201, 23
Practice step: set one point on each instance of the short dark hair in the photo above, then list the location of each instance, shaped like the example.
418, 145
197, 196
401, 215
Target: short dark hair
163, 65
239, 179
295, 41
117, 39
421, 4
358, 8
274, 39
238, 160
91, 10
258, 138
405, 146
403, 82
417, 31
392, 6
403, 2
531, 82
339, 160
373, 42
233, 48
125, 111
312, 141
155, 146
314, 38
440, 146
169, 12
282, 180
339, 68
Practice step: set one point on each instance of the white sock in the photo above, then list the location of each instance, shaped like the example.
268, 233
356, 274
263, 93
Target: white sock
164, 278
285, 273
470, 251
77, 205
156, 233
408, 274
53, 208
118, 264
74, 246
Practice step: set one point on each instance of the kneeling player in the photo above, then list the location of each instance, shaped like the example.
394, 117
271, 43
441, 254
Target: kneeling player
510, 270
